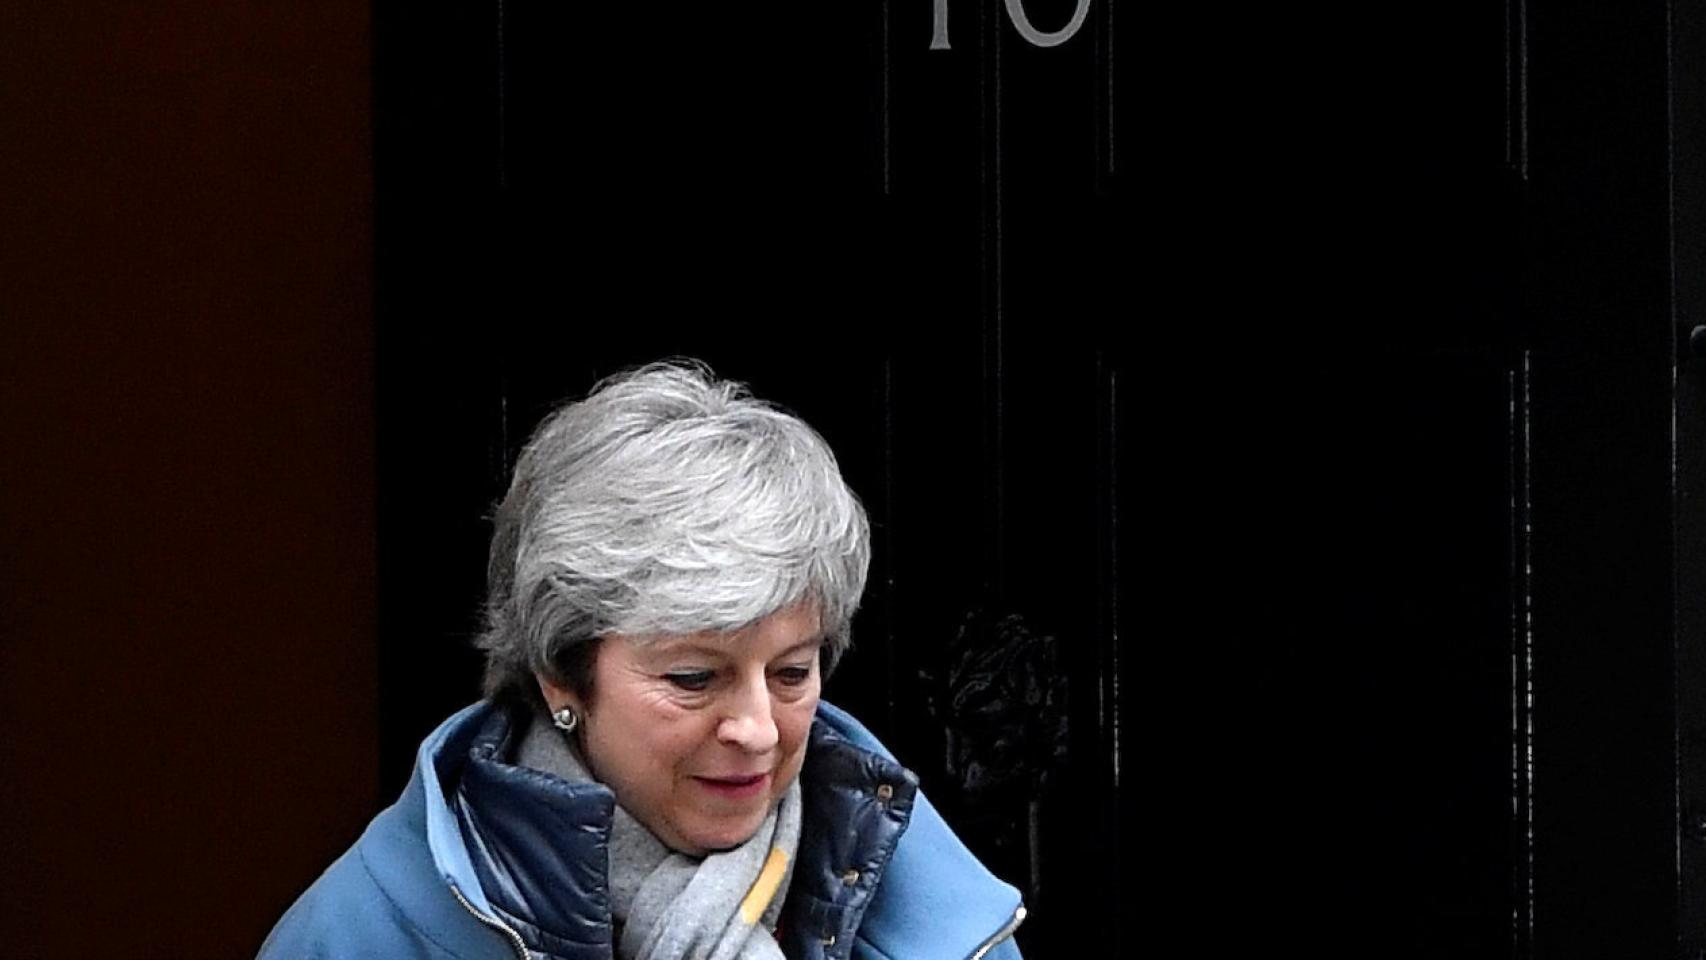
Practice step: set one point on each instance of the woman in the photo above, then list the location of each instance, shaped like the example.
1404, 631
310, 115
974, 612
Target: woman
652, 774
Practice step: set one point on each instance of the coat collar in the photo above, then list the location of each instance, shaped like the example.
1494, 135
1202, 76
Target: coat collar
858, 803
937, 901
539, 844
512, 840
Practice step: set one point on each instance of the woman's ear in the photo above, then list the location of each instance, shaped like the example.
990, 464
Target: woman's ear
558, 697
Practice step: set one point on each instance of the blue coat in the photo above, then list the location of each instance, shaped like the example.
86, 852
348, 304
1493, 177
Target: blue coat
483, 860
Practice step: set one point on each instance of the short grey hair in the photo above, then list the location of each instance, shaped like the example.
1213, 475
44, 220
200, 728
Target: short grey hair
667, 502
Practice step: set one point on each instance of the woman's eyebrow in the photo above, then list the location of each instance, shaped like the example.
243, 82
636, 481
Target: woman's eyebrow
674, 645
677, 649
721, 653
802, 645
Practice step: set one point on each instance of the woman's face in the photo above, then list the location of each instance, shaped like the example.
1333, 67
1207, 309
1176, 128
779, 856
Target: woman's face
699, 734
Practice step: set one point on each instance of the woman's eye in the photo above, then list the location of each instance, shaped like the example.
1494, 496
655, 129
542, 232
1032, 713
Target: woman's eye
794, 676
692, 680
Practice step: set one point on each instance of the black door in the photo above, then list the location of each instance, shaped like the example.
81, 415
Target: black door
1284, 537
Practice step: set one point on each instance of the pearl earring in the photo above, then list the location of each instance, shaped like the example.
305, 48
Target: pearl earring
566, 719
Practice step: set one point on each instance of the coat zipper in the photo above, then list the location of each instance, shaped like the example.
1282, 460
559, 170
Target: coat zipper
504, 928
1000, 935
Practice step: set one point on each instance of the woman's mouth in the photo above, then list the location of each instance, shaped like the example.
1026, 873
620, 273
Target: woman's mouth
735, 787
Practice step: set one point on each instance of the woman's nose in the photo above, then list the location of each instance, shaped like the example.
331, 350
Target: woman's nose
751, 722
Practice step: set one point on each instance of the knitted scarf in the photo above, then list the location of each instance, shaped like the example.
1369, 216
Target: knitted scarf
670, 906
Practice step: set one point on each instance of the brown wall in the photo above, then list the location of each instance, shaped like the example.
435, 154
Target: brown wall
187, 676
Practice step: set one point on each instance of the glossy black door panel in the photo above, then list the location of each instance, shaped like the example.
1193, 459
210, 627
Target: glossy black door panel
1270, 419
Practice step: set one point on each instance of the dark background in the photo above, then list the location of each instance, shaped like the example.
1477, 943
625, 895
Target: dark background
813, 203
1318, 381
187, 600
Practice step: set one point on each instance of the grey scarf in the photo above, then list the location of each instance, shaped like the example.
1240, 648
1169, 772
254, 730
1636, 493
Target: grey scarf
675, 907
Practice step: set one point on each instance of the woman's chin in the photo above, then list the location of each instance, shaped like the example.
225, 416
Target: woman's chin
720, 838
